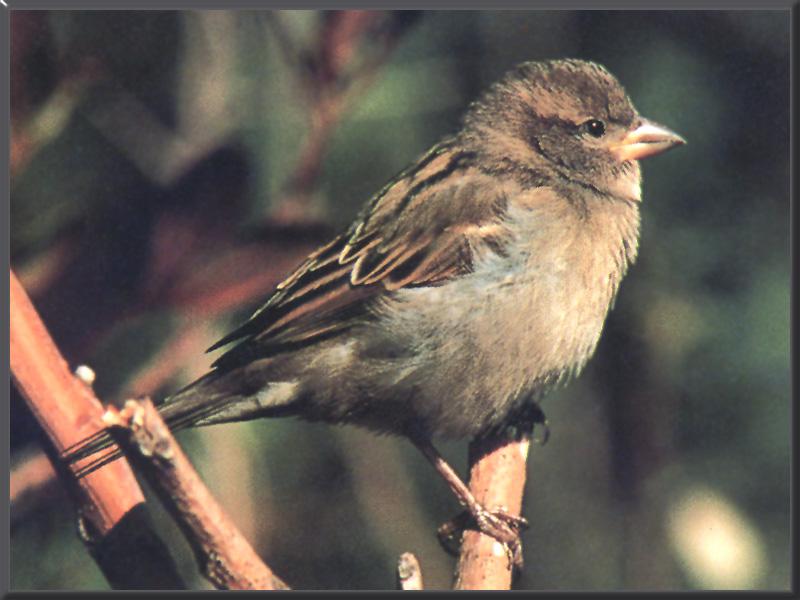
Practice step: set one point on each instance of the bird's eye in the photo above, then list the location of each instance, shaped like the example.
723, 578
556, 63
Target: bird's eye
594, 127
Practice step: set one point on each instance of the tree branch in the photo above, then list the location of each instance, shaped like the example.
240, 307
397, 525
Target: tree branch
223, 554
110, 503
67, 410
497, 480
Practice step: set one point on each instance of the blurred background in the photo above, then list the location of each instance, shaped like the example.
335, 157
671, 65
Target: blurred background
169, 168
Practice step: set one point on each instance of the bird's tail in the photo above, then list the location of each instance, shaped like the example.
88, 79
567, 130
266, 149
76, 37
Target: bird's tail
196, 404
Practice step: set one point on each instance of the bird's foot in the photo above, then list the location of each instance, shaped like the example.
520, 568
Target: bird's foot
499, 524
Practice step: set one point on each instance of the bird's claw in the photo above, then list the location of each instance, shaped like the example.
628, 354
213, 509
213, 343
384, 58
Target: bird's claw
449, 533
499, 524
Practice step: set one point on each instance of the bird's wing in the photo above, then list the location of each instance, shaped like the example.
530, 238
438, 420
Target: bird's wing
419, 230
422, 229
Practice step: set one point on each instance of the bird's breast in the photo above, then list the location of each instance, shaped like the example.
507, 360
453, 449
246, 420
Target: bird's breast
526, 316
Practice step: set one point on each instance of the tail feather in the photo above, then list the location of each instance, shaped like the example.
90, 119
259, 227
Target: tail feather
199, 403
102, 448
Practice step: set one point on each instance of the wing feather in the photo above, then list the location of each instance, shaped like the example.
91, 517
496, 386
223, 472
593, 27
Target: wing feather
419, 230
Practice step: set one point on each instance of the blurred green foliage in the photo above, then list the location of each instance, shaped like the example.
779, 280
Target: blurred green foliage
142, 117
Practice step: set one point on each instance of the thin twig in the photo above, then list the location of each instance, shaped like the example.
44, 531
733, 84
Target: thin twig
409, 573
497, 480
225, 557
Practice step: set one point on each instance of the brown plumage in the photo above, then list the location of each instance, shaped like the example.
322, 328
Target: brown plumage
471, 284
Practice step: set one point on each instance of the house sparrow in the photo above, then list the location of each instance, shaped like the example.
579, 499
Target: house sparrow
475, 281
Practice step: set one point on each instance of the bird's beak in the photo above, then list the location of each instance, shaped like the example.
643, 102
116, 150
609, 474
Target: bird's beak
646, 140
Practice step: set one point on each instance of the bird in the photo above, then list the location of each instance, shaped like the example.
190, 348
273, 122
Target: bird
474, 282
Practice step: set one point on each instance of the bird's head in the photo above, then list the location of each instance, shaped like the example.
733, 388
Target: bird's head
568, 118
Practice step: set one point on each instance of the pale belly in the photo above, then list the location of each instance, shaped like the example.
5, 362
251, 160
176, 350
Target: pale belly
496, 338
459, 358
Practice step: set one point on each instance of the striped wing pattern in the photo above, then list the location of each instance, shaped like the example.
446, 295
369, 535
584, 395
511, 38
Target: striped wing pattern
417, 231
408, 236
